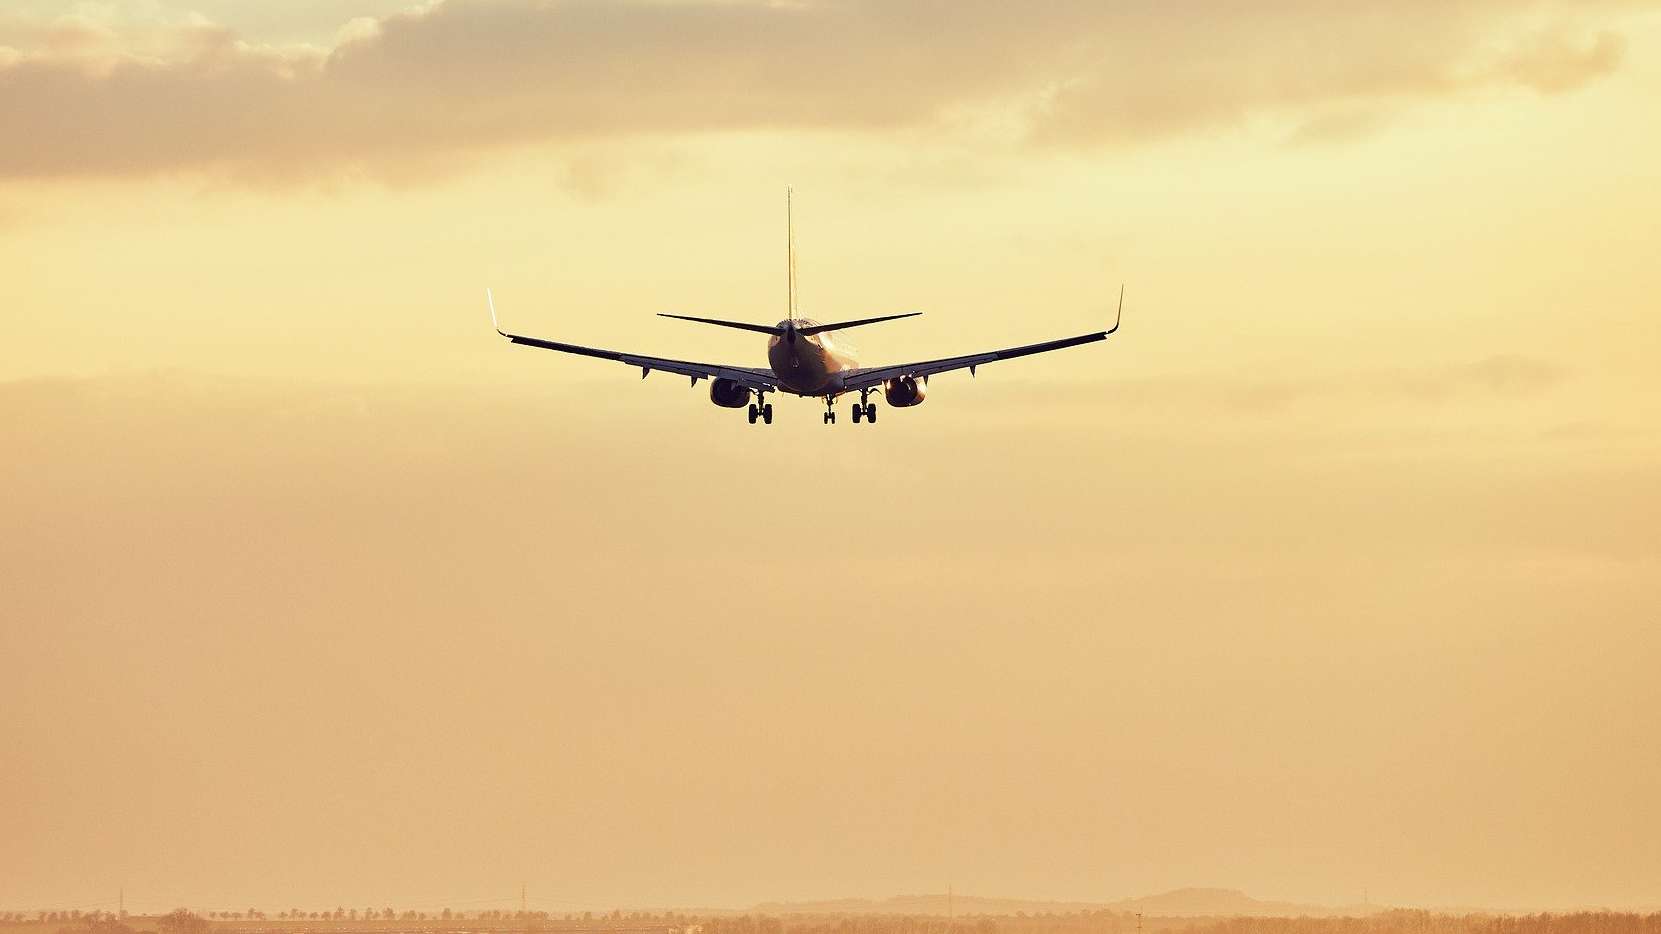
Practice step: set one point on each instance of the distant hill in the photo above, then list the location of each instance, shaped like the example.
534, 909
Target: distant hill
924, 905
1192, 903
1178, 903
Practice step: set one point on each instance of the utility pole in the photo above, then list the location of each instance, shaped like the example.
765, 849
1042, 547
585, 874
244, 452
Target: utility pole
123, 901
951, 907
521, 898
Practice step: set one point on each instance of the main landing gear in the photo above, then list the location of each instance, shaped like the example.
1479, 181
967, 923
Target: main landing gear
865, 407
862, 409
761, 409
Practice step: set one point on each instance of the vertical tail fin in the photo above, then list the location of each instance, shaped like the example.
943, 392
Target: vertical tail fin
790, 248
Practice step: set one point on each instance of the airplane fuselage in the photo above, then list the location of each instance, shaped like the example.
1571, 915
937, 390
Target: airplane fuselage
807, 365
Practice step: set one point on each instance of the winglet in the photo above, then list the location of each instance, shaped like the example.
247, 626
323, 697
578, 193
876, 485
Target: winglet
491, 301
1120, 314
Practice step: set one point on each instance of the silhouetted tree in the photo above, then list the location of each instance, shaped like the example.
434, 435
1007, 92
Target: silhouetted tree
182, 921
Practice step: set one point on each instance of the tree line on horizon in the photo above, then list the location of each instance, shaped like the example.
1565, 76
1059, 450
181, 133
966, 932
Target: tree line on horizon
1103, 921
83, 919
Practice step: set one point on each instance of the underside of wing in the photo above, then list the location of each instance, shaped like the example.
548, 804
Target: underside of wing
854, 380
749, 377
872, 376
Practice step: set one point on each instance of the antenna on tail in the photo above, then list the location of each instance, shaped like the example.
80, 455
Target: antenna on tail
790, 247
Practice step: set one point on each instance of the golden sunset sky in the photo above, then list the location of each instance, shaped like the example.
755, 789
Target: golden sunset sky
1337, 569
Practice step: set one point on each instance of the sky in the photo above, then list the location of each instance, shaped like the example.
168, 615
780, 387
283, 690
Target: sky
1333, 572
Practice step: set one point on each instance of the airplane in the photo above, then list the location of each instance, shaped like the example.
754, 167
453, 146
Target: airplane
804, 360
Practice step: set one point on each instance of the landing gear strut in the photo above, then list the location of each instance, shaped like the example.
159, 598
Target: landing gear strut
864, 408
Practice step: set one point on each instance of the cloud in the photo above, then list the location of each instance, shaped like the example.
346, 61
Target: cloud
79, 96
1556, 62
1342, 64
1501, 375
1500, 379
1340, 126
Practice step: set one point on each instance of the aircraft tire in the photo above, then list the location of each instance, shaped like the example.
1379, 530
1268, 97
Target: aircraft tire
767, 413
871, 412
753, 413
858, 410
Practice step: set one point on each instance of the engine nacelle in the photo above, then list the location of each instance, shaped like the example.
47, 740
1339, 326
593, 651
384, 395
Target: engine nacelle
904, 392
728, 394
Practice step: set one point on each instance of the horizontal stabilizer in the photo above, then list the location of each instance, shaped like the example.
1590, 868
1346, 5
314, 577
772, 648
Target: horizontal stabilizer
742, 326
843, 325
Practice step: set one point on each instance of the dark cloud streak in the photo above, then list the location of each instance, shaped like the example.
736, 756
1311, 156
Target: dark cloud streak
466, 75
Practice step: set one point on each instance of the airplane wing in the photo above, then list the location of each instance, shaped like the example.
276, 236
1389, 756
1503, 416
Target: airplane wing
865, 377
753, 378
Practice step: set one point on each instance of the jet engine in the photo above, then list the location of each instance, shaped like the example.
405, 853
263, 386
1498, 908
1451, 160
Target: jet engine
728, 394
904, 392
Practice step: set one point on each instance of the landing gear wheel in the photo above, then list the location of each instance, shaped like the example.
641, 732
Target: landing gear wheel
871, 412
858, 411
753, 413
830, 417
767, 413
